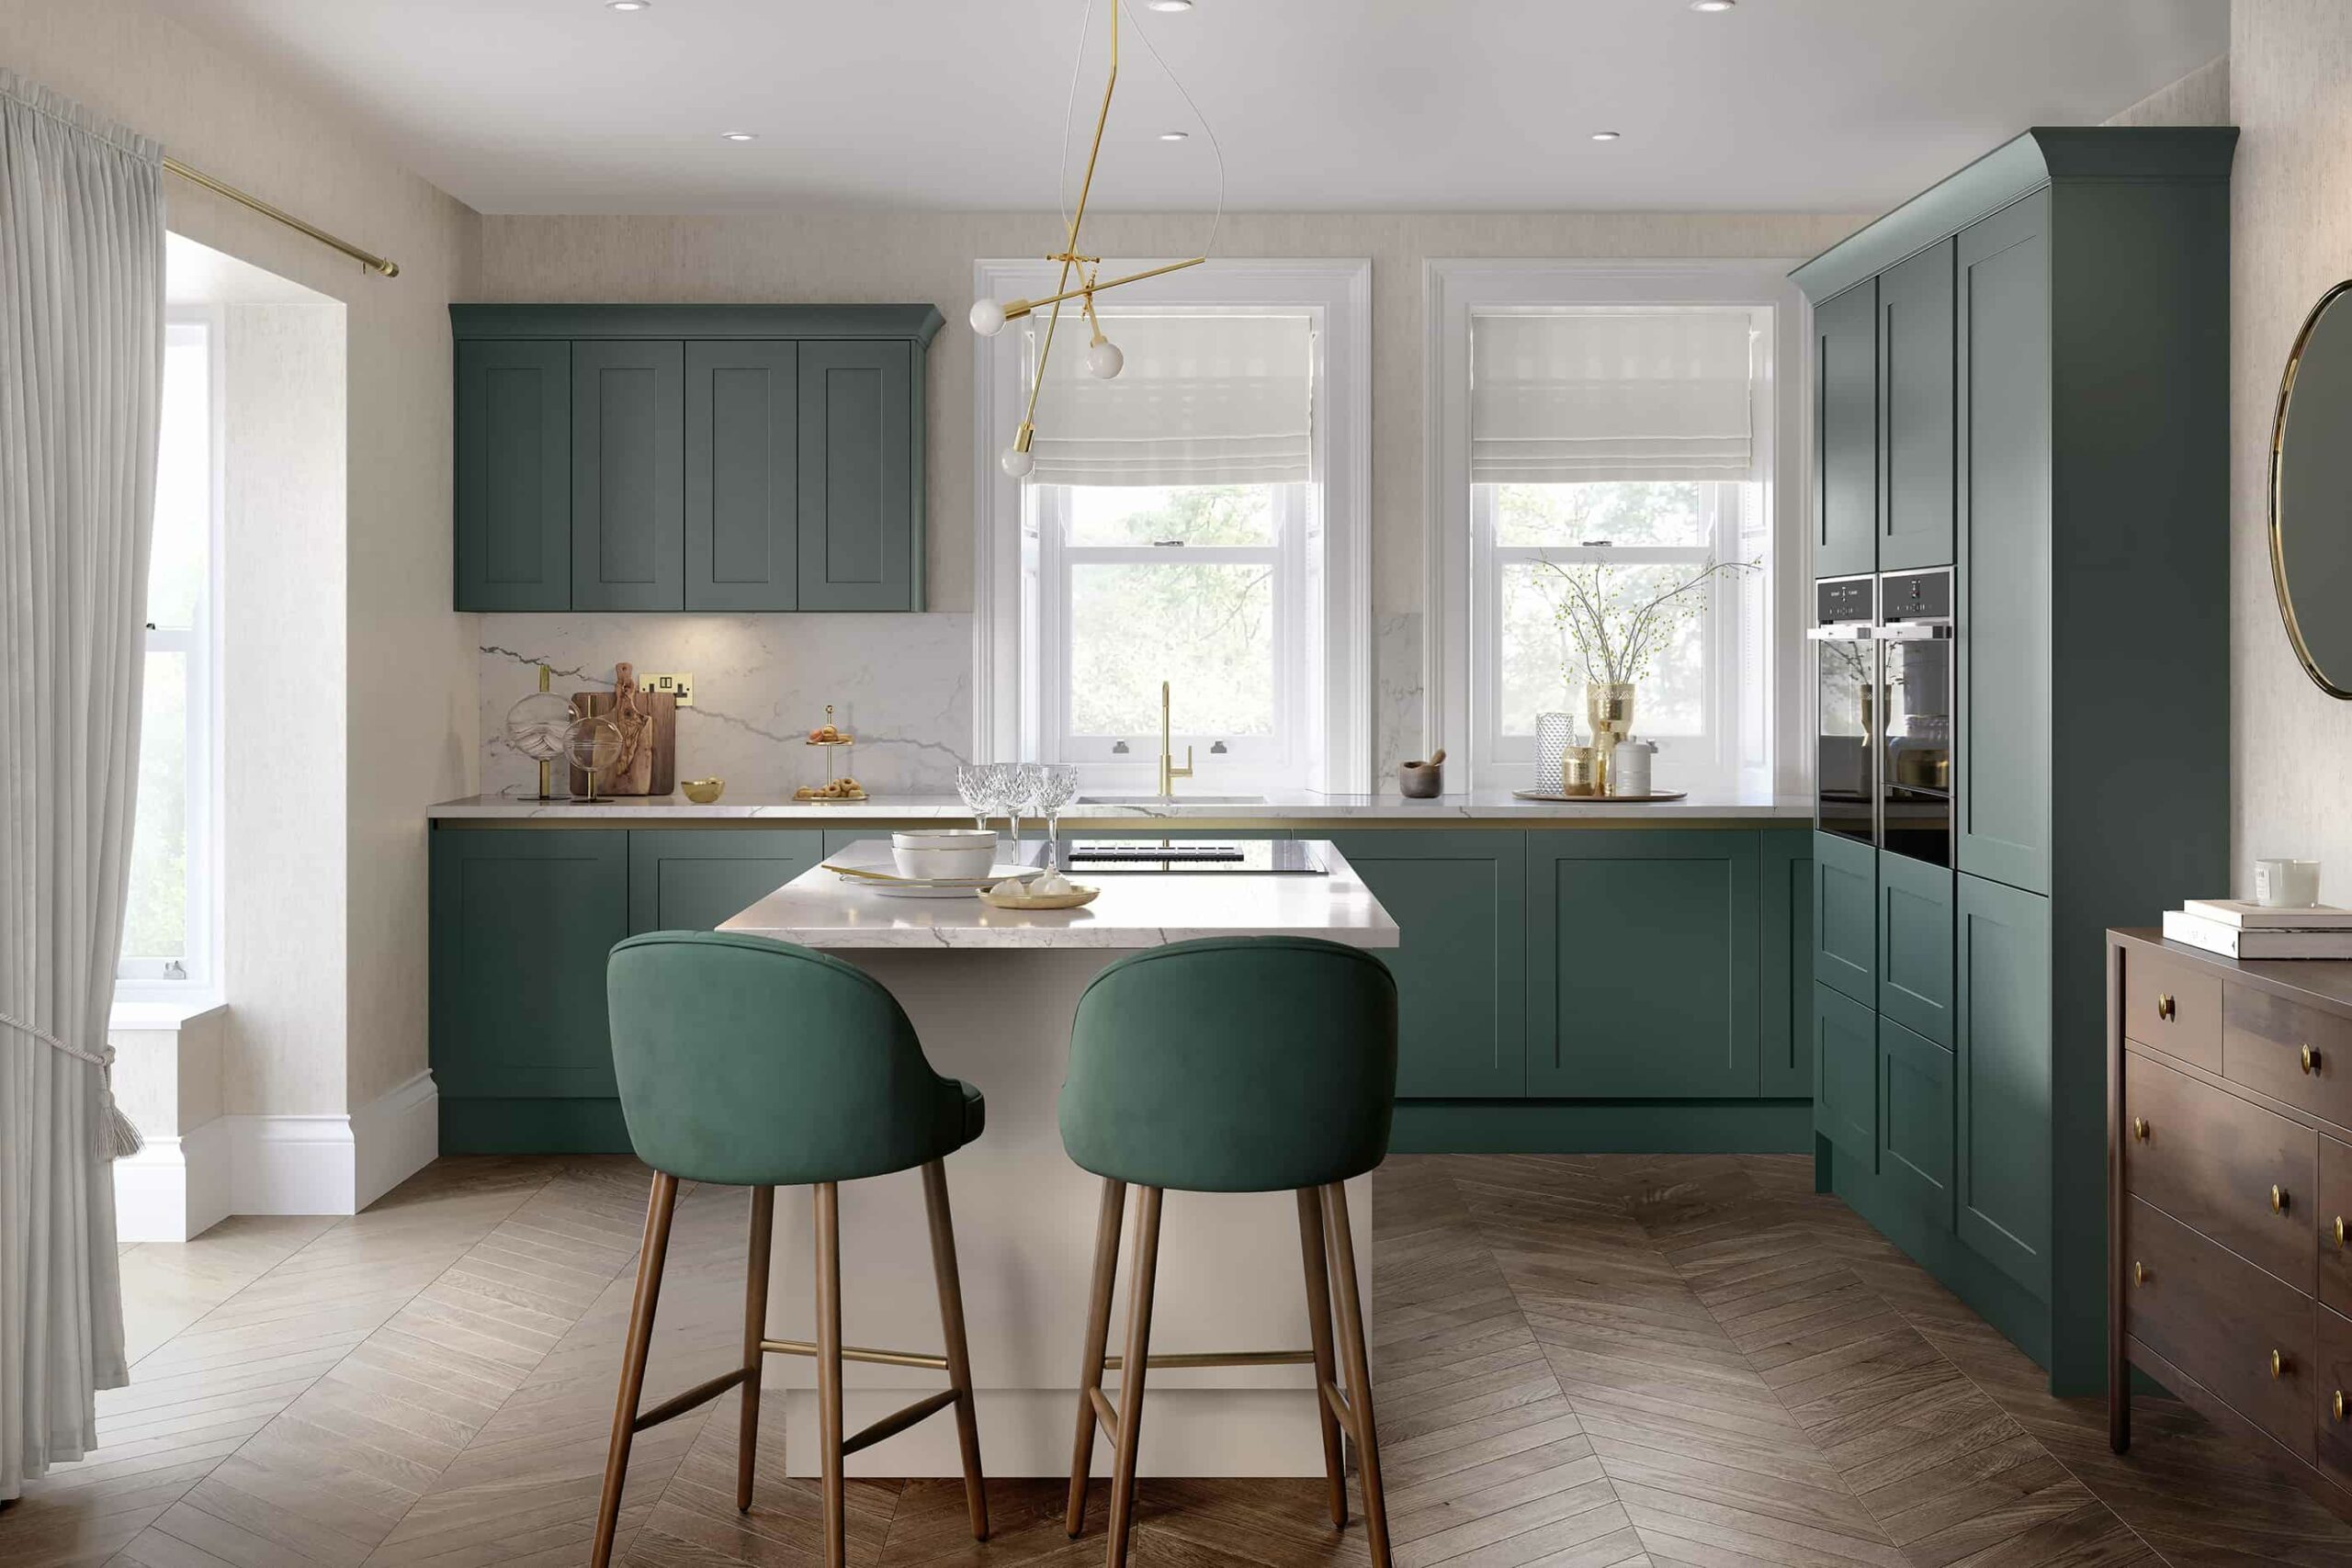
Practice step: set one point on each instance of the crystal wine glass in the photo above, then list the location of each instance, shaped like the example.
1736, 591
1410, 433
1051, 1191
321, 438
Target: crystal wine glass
1057, 787
1007, 794
972, 783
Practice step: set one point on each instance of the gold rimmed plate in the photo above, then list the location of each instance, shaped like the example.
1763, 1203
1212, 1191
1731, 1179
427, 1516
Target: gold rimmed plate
1075, 898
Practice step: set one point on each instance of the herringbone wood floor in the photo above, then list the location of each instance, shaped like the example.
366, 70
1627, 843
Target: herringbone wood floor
1581, 1362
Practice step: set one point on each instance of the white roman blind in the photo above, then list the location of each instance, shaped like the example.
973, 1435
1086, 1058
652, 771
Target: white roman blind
1572, 396
1205, 399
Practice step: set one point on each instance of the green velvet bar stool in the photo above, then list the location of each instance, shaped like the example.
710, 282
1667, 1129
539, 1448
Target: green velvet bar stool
752, 1063
1231, 1064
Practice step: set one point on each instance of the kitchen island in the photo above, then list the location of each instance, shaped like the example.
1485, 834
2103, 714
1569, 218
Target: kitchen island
992, 993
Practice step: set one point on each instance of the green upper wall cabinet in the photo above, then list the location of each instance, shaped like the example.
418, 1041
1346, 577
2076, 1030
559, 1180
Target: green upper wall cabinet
1461, 969
742, 475
1844, 502
691, 457
514, 500
1643, 951
1915, 386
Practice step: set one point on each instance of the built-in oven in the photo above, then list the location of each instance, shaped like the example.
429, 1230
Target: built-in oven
1844, 638
1883, 696
1915, 650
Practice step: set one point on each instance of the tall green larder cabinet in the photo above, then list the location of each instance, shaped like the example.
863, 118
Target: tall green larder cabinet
2023, 373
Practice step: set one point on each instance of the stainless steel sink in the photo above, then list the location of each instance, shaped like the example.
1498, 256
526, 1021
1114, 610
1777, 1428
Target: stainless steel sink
1171, 800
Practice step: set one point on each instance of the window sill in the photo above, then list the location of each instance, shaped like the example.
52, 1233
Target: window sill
160, 1016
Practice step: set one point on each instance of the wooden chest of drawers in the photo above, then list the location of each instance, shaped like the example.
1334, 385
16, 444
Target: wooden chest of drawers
2230, 1196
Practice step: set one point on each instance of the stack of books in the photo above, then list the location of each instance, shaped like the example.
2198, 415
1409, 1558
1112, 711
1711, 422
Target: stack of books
2237, 930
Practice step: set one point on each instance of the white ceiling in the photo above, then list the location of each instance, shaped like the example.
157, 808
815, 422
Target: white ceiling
565, 106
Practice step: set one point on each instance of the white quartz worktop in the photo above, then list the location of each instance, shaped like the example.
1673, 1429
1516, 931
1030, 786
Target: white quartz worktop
1135, 910
1281, 805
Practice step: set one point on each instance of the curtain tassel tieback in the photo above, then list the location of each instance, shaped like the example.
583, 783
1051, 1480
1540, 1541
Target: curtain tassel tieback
117, 1139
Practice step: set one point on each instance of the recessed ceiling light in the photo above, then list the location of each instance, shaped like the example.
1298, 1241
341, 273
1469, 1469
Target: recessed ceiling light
1175, 136
740, 135
1712, 6
1171, 4
1606, 135
628, 4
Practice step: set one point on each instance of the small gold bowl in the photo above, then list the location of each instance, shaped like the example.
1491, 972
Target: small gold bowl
702, 792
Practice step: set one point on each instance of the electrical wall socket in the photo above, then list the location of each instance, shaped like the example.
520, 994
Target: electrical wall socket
679, 684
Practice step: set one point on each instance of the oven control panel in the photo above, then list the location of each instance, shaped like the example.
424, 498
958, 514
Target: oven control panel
1844, 601
1916, 595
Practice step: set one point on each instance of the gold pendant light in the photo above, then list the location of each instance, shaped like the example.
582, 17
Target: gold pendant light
1103, 358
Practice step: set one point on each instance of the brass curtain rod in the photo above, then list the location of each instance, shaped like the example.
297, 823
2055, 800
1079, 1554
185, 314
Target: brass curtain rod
374, 263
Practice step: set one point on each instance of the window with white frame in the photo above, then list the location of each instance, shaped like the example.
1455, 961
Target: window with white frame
170, 925
1620, 529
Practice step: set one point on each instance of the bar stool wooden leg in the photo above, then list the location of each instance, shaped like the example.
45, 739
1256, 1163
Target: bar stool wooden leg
755, 1326
959, 1357
828, 1371
1319, 1328
1098, 1339
1142, 1271
1352, 1349
655, 1249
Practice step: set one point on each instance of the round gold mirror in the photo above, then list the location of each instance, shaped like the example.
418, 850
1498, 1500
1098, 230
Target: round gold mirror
2310, 493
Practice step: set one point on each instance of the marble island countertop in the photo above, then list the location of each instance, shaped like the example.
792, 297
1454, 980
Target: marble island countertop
1280, 806
819, 908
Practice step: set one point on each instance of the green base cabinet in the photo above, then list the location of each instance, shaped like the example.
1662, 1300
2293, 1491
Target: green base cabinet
1915, 946
1844, 1087
1461, 971
2002, 1012
1914, 1120
689, 879
1845, 915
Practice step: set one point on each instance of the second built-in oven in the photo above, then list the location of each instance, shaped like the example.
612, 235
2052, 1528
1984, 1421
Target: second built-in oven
1882, 672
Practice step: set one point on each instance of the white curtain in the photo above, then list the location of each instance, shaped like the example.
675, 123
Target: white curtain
1205, 399
1569, 397
81, 364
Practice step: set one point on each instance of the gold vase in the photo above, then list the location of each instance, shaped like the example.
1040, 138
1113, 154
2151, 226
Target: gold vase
1609, 713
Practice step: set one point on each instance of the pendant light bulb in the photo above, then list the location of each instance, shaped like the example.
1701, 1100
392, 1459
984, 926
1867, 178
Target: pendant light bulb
1017, 463
1105, 361
988, 316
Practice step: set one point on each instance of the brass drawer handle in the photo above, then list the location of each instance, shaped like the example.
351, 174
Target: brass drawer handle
2310, 1060
2140, 1129
2337, 1408
2339, 1233
2139, 1273
2278, 1199
2279, 1363
2163, 1006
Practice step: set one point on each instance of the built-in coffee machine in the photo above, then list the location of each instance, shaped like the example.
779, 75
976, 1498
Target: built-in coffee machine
1882, 674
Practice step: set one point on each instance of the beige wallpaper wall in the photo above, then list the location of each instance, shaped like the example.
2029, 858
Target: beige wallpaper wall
907, 256
2291, 90
408, 705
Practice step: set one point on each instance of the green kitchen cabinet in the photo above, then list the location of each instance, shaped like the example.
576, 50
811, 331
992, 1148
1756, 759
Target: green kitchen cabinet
1457, 897
1845, 915
2001, 1010
1786, 898
1844, 502
522, 919
1915, 391
1845, 1085
1643, 951
743, 472
1914, 1120
704, 459
1915, 946
629, 475
2001, 744
693, 878
860, 477
514, 476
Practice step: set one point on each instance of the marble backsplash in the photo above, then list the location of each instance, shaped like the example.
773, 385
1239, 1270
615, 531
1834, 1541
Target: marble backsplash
901, 683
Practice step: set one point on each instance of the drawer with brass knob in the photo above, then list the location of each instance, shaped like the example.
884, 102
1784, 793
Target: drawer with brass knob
2237, 1172
2175, 1006
2331, 1213
2332, 1374
2248, 1337
2287, 1050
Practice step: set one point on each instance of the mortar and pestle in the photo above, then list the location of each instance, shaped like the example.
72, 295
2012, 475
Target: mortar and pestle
1422, 781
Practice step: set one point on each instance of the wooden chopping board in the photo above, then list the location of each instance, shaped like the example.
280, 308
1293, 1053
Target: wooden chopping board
649, 725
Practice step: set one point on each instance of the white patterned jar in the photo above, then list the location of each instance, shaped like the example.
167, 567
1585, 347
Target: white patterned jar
1555, 733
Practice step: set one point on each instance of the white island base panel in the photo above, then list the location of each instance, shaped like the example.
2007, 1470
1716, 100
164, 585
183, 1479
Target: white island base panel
1230, 1275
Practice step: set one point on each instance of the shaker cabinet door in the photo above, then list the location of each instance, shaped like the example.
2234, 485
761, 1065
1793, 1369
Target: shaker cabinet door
1915, 946
513, 467
1916, 392
2002, 1024
1845, 1075
689, 879
860, 477
2001, 745
1845, 915
742, 475
627, 475
1845, 499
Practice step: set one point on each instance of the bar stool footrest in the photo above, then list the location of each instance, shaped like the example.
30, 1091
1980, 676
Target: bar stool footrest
898, 1421
678, 1405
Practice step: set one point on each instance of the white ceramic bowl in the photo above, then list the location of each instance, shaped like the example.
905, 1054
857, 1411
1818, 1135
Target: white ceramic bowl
944, 853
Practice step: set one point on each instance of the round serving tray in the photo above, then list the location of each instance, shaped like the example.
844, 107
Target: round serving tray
1599, 799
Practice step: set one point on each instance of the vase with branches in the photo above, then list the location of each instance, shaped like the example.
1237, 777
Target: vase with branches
1613, 627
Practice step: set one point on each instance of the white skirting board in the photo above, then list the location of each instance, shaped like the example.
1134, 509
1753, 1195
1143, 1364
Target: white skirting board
177, 1187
